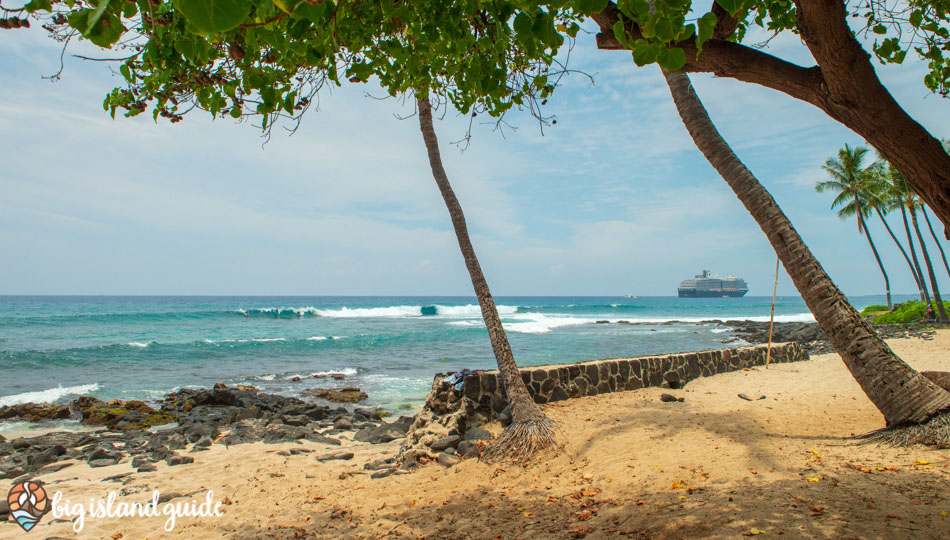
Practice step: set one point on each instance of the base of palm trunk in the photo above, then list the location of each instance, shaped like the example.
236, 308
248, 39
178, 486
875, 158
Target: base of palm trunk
934, 432
521, 440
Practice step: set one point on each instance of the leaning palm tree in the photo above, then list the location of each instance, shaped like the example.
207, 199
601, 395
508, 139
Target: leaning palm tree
943, 255
530, 430
855, 187
904, 396
896, 196
884, 194
909, 203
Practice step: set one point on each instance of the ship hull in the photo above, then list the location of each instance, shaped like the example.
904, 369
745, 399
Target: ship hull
691, 293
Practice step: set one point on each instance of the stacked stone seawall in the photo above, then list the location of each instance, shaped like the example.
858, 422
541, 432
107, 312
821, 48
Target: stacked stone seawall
482, 398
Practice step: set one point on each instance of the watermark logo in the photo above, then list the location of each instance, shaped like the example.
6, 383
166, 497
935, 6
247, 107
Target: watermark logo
28, 503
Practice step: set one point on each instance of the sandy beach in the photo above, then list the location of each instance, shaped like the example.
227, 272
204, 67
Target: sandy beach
713, 466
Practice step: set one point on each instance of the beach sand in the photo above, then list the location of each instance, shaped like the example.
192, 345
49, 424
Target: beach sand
714, 466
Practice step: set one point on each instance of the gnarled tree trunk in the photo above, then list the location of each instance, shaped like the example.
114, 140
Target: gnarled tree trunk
901, 394
530, 430
943, 255
843, 84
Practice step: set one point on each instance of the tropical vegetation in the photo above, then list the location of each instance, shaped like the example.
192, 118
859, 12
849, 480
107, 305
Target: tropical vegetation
879, 186
268, 59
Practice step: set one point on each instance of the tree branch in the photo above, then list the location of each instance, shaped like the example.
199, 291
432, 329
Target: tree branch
727, 59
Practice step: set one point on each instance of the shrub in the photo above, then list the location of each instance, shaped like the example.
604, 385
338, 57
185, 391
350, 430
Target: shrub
904, 313
877, 308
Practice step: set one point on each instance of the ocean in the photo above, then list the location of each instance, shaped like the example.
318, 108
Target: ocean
55, 348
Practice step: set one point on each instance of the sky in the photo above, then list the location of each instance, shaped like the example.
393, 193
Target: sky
614, 199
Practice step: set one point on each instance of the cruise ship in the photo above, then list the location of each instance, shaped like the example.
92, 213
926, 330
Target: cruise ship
706, 285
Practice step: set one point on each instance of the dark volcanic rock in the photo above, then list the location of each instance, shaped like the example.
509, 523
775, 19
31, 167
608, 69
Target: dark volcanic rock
333, 456
477, 434
119, 415
445, 442
382, 433
33, 412
338, 395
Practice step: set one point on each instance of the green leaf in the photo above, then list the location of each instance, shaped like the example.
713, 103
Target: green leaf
36, 5
879, 29
916, 18
213, 16
664, 30
706, 25
643, 53
522, 24
95, 17
672, 59
732, 6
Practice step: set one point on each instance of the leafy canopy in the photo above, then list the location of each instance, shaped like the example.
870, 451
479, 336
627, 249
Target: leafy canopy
269, 58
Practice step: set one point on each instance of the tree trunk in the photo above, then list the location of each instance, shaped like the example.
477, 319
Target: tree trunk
901, 394
941, 310
913, 253
523, 407
903, 252
867, 233
844, 85
923, 210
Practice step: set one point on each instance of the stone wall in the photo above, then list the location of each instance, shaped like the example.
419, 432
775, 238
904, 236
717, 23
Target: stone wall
448, 412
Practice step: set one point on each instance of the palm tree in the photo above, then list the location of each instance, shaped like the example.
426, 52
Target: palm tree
854, 185
882, 203
909, 203
902, 395
530, 430
923, 210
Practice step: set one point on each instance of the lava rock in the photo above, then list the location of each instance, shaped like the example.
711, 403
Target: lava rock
669, 398
338, 395
96, 463
179, 460
383, 473
468, 449
334, 456
477, 434
448, 460
444, 442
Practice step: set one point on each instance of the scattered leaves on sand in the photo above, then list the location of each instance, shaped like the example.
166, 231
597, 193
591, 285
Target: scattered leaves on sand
116, 536
753, 532
676, 485
812, 478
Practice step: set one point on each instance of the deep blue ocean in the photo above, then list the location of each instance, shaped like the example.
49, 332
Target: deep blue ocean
55, 348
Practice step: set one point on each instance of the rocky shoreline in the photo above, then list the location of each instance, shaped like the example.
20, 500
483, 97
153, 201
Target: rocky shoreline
188, 421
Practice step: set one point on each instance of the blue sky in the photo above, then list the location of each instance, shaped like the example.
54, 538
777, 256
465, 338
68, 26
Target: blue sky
614, 199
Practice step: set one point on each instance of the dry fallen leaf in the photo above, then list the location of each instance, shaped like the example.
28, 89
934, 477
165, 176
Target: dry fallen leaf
892, 516
812, 478
676, 485
752, 532
116, 536
921, 462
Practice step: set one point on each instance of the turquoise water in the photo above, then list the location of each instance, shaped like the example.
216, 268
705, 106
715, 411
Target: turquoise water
55, 348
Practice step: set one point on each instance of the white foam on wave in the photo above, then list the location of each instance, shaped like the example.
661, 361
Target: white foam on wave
48, 396
138, 344
317, 338
538, 323
391, 311
797, 317
472, 310
344, 371
465, 323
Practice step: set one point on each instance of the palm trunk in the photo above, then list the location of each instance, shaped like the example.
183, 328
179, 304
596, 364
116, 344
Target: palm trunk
923, 210
903, 252
913, 253
901, 394
524, 411
887, 282
941, 310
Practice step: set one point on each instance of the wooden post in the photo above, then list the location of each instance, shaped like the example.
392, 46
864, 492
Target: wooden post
768, 352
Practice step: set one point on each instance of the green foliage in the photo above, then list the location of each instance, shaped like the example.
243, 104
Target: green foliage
904, 313
268, 58
876, 308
